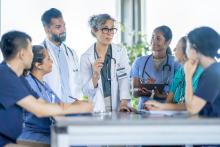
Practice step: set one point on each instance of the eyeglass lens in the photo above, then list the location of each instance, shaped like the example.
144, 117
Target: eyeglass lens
107, 30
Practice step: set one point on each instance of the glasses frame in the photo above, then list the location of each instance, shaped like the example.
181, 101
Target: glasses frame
106, 30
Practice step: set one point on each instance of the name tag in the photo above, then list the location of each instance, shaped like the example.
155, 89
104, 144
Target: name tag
121, 73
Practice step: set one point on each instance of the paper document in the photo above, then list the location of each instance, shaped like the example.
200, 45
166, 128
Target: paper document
164, 112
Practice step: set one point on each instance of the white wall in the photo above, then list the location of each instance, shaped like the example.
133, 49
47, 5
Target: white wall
25, 15
181, 15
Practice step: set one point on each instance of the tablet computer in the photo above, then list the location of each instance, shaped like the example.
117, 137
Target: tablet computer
159, 87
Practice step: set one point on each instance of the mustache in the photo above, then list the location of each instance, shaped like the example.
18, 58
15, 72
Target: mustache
62, 34
59, 38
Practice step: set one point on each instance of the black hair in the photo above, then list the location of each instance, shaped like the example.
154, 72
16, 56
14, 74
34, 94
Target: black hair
205, 40
97, 21
49, 14
167, 33
12, 42
38, 55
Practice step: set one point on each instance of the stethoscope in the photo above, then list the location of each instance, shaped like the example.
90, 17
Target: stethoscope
96, 56
66, 51
166, 67
109, 75
47, 91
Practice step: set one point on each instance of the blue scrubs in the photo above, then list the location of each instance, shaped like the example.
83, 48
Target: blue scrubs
12, 90
158, 75
38, 129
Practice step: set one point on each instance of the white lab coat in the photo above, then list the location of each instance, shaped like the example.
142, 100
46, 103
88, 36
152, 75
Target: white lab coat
53, 78
119, 83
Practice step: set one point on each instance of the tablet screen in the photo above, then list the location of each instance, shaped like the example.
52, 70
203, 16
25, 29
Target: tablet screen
159, 87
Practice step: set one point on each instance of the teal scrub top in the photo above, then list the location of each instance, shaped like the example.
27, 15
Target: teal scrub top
178, 85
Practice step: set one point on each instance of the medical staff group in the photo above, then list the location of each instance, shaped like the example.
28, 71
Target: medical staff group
48, 79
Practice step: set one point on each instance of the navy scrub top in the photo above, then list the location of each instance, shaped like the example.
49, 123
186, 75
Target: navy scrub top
12, 90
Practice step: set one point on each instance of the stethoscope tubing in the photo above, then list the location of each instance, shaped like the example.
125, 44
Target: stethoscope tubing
163, 68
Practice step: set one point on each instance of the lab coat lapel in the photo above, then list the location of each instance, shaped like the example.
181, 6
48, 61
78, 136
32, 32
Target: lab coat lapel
114, 82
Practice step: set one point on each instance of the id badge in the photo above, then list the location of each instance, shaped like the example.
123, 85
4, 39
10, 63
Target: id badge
121, 73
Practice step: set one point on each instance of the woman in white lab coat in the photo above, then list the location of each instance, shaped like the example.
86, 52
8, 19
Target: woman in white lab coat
105, 68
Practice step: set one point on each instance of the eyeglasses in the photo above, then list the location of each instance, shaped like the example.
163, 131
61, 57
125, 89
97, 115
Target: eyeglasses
107, 30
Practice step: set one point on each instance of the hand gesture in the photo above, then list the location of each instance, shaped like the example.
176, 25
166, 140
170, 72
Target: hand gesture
190, 67
123, 107
85, 106
144, 91
153, 105
151, 81
97, 66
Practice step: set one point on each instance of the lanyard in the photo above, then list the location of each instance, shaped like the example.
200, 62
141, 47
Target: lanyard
46, 91
166, 67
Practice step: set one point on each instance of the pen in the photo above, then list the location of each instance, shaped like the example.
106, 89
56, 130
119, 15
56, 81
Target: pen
73, 98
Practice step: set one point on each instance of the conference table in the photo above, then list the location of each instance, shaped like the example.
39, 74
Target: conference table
117, 128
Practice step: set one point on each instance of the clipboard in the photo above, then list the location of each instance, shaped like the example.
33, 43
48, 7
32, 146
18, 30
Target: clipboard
158, 87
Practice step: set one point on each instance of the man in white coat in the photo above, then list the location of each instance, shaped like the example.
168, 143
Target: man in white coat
64, 78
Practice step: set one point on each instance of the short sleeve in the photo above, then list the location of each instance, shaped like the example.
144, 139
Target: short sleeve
11, 89
29, 88
135, 69
178, 86
208, 86
176, 80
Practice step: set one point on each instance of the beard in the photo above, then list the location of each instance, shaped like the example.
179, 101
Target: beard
59, 38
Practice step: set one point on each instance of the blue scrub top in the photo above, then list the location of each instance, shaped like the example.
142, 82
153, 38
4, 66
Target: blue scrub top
12, 90
138, 68
33, 123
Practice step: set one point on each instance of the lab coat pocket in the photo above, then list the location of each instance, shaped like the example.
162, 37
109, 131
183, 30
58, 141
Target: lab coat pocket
121, 73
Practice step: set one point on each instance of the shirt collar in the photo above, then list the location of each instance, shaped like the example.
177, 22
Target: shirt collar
53, 45
55, 48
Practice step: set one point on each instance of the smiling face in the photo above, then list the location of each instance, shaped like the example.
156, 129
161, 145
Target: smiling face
106, 33
159, 44
56, 30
